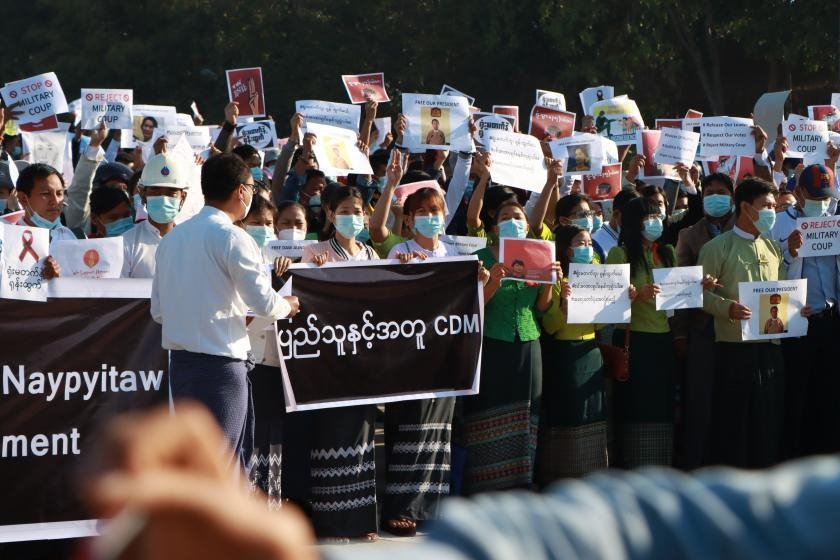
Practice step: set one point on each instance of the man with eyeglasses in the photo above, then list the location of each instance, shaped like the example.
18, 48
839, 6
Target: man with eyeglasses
209, 273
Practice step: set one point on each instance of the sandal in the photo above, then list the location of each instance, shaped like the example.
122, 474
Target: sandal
401, 527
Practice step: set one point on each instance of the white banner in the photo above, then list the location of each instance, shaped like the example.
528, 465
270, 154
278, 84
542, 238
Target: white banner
90, 258
518, 159
291, 248
114, 107
775, 308
436, 122
600, 293
342, 115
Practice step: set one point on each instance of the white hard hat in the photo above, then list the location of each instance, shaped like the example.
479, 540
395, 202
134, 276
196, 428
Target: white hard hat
162, 170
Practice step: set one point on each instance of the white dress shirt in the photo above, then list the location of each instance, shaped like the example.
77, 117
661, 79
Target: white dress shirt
140, 244
208, 274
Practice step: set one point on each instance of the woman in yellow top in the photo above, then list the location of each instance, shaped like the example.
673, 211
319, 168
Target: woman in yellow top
573, 435
643, 406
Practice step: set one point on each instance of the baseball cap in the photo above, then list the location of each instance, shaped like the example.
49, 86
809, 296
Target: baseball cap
817, 180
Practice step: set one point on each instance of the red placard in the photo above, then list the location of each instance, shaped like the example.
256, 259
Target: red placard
528, 260
669, 123
605, 185
692, 114
364, 87
551, 122
509, 110
245, 87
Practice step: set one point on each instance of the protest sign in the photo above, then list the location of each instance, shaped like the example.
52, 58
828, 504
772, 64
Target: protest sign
682, 287
365, 350
22, 255
600, 293
744, 168
775, 308
580, 152
404, 191
337, 151
551, 99
465, 244
518, 159
693, 114
259, 134
245, 87
342, 115
807, 138
198, 137
436, 122
554, 123
659, 124
828, 113
618, 119
382, 126
46, 147
835, 99
364, 87
35, 102
67, 373
89, 258
147, 118
727, 136
75, 108
509, 110
528, 260
646, 143
484, 121
113, 107
604, 185
592, 95
820, 236
769, 111
449, 90
291, 248
676, 146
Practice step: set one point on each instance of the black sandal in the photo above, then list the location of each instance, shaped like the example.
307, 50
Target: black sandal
401, 527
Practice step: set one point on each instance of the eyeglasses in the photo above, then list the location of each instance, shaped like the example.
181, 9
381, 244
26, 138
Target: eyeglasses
584, 214
254, 188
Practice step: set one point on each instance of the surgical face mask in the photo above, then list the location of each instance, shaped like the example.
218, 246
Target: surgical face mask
582, 254
516, 229
257, 173
678, 215
662, 213
765, 221
349, 226
291, 234
315, 200
162, 209
247, 206
119, 227
428, 226
585, 223
597, 222
261, 234
652, 229
44, 223
4, 203
717, 205
364, 236
381, 182
815, 208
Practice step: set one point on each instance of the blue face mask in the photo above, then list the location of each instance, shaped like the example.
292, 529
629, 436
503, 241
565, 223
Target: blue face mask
765, 221
597, 222
815, 208
381, 182
585, 223
717, 205
364, 236
257, 173
428, 226
582, 254
162, 209
261, 234
652, 229
515, 229
349, 226
315, 200
43, 223
119, 227
678, 215
3, 204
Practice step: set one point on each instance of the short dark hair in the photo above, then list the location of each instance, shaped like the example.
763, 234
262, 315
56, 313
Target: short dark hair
749, 190
26, 179
221, 175
310, 173
148, 118
622, 198
564, 206
259, 205
343, 193
245, 151
723, 178
106, 198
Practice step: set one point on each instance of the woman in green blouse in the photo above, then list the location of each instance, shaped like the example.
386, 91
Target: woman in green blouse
644, 404
502, 420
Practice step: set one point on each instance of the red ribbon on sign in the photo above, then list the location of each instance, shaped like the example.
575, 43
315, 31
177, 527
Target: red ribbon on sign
27, 239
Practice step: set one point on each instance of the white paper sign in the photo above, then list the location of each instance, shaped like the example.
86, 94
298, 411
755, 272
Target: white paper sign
22, 257
436, 122
114, 107
726, 136
551, 99
46, 147
518, 159
342, 115
676, 146
451, 91
618, 119
580, 153
465, 244
820, 236
198, 137
808, 138
291, 248
591, 95
769, 111
377, 138
38, 99
90, 258
682, 287
775, 308
259, 134
337, 152
600, 293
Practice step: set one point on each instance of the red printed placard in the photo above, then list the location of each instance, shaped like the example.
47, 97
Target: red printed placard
605, 185
245, 87
364, 87
551, 122
528, 260
511, 111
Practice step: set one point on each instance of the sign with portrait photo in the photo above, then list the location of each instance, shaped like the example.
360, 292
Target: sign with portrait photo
436, 122
776, 309
528, 260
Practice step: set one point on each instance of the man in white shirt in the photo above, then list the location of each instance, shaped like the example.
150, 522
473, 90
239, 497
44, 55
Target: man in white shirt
163, 191
209, 273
